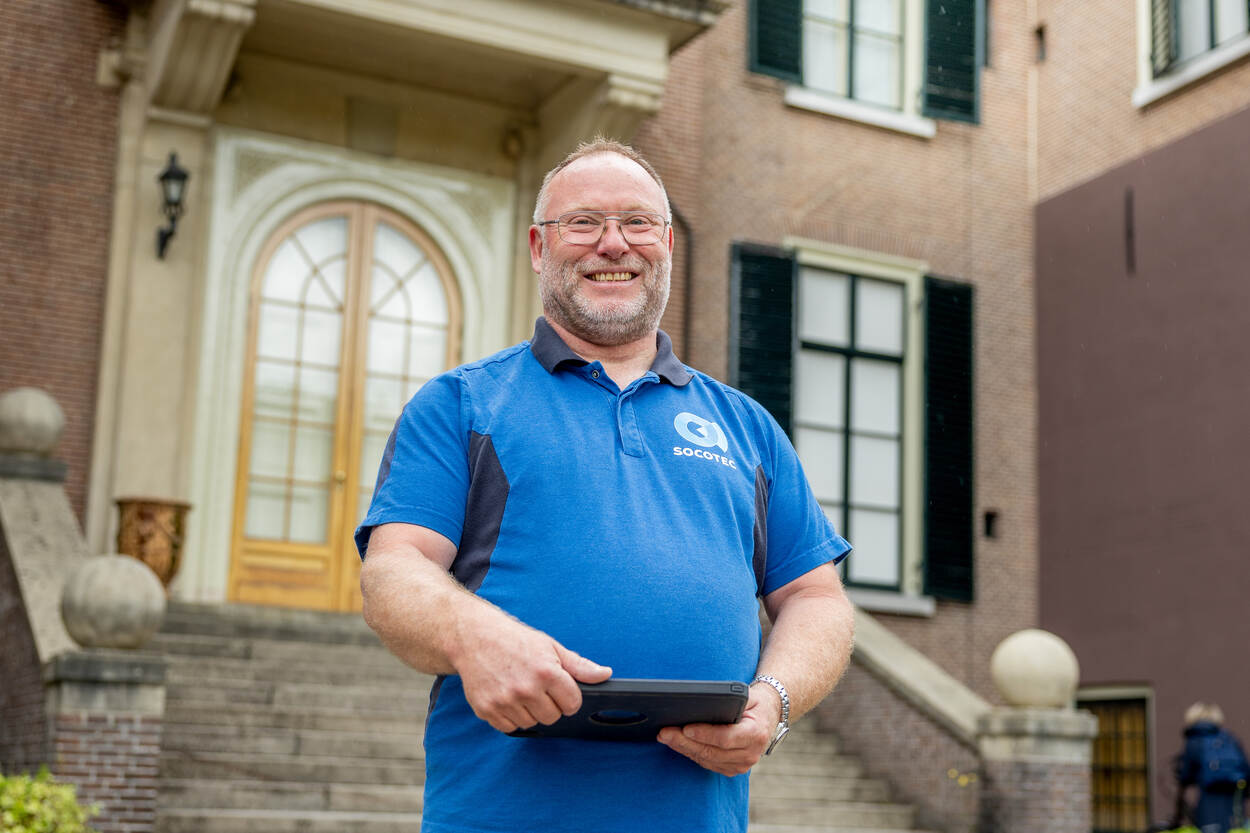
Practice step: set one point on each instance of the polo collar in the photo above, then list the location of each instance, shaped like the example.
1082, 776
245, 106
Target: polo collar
552, 353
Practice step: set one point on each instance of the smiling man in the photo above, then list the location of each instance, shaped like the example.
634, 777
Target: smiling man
581, 506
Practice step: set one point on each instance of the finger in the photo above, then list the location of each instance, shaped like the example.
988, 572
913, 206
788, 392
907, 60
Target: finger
725, 762
544, 709
732, 736
566, 695
581, 668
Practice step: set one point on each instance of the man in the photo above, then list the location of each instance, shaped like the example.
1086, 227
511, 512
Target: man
583, 505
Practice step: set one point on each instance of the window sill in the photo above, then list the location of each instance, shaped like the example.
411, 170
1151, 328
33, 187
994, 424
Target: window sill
1193, 70
845, 108
881, 601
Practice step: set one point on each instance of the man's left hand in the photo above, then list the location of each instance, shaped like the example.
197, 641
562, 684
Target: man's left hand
734, 748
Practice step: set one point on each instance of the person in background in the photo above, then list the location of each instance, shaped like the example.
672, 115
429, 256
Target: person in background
1214, 763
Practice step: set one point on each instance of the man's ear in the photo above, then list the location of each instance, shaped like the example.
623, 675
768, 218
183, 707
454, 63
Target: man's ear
536, 249
670, 238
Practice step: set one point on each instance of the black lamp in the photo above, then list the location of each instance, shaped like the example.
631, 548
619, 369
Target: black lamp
173, 187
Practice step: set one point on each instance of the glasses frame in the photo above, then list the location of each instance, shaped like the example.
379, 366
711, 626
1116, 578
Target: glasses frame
606, 215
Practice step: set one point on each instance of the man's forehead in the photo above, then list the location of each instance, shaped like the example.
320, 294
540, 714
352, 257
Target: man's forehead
603, 172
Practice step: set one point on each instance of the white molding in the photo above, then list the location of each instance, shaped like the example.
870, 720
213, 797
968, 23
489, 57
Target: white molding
1115, 692
881, 601
1150, 90
846, 108
469, 216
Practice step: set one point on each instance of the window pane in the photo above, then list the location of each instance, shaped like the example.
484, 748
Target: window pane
820, 388
874, 472
314, 448
384, 399
318, 292
1193, 19
396, 251
318, 395
1230, 19
321, 338
276, 339
875, 396
429, 302
372, 449
284, 276
428, 352
824, 307
389, 297
275, 389
270, 449
386, 346
824, 57
879, 317
266, 511
309, 514
875, 558
829, 9
879, 15
877, 70
821, 454
323, 239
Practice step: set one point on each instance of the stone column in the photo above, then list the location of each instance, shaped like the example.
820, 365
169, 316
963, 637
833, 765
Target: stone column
1036, 751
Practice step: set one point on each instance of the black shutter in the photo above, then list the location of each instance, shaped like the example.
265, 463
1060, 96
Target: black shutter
776, 38
948, 518
1162, 36
761, 328
953, 47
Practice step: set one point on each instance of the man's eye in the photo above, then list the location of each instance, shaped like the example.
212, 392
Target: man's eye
641, 221
581, 221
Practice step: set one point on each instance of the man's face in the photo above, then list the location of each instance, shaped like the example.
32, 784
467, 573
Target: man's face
610, 292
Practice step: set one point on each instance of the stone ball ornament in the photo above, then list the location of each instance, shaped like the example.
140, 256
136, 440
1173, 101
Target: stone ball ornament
1034, 668
31, 422
112, 601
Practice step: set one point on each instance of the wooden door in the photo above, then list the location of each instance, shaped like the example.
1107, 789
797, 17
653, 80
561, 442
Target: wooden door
352, 309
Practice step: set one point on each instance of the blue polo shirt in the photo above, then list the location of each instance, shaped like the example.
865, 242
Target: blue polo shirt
636, 527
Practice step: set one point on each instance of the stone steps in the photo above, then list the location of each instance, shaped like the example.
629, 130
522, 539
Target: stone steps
285, 821
249, 794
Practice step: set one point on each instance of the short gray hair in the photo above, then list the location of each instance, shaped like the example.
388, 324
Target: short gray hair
1204, 713
599, 144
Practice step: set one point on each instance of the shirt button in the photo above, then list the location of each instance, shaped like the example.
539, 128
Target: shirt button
594, 374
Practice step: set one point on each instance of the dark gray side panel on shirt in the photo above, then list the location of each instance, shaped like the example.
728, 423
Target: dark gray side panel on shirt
483, 512
760, 559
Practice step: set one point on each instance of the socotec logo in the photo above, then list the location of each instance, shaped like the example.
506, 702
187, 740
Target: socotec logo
703, 433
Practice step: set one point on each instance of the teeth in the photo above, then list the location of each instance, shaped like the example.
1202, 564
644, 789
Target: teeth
611, 276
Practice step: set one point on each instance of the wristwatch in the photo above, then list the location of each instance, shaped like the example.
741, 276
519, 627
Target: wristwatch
783, 727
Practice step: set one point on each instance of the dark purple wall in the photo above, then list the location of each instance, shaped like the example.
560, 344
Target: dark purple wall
1144, 428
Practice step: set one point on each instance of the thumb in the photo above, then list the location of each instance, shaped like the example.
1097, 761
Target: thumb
582, 669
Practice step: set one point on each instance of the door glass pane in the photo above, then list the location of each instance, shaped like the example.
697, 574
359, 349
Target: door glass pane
879, 317
372, 449
309, 514
318, 395
874, 472
279, 329
820, 389
824, 57
396, 252
875, 396
321, 337
1230, 19
314, 450
429, 303
1193, 19
387, 346
275, 389
323, 240
878, 70
284, 277
266, 511
271, 449
384, 399
318, 295
824, 307
876, 556
427, 356
821, 455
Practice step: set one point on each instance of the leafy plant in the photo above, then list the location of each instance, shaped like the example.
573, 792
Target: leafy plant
40, 805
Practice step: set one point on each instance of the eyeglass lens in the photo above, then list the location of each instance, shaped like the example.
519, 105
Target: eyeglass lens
587, 226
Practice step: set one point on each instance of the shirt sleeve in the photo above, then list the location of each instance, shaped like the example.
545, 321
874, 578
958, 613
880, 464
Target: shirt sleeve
424, 475
799, 535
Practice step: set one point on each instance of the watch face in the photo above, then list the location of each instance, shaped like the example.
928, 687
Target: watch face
782, 731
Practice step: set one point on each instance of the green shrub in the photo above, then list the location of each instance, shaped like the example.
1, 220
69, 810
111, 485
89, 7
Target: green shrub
40, 805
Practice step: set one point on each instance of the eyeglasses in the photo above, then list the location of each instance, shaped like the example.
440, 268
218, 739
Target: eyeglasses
639, 228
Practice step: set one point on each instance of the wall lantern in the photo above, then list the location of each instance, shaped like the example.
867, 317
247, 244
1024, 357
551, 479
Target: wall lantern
173, 187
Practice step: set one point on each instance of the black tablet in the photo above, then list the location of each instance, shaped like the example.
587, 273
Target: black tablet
637, 710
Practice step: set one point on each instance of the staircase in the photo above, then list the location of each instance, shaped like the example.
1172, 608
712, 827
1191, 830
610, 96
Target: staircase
279, 721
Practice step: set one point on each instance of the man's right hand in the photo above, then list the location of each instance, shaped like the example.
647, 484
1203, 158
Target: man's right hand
515, 676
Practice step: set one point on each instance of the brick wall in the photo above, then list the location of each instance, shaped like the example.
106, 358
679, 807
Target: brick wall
747, 167
57, 151
925, 765
1035, 797
113, 760
23, 724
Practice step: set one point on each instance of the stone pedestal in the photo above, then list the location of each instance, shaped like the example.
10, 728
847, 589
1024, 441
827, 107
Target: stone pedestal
105, 717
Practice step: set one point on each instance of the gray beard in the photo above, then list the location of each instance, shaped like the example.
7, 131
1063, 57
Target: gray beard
605, 325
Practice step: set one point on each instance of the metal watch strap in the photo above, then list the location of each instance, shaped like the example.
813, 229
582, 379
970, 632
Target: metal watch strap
783, 727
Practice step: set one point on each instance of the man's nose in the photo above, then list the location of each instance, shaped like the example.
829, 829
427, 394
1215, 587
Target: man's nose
612, 242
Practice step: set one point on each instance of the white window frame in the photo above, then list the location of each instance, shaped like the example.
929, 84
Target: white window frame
1151, 89
909, 119
910, 273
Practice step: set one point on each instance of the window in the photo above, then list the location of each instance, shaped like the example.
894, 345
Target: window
1120, 777
866, 363
1187, 40
887, 62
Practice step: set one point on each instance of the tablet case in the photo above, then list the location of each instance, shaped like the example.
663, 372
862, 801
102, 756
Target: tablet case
636, 710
